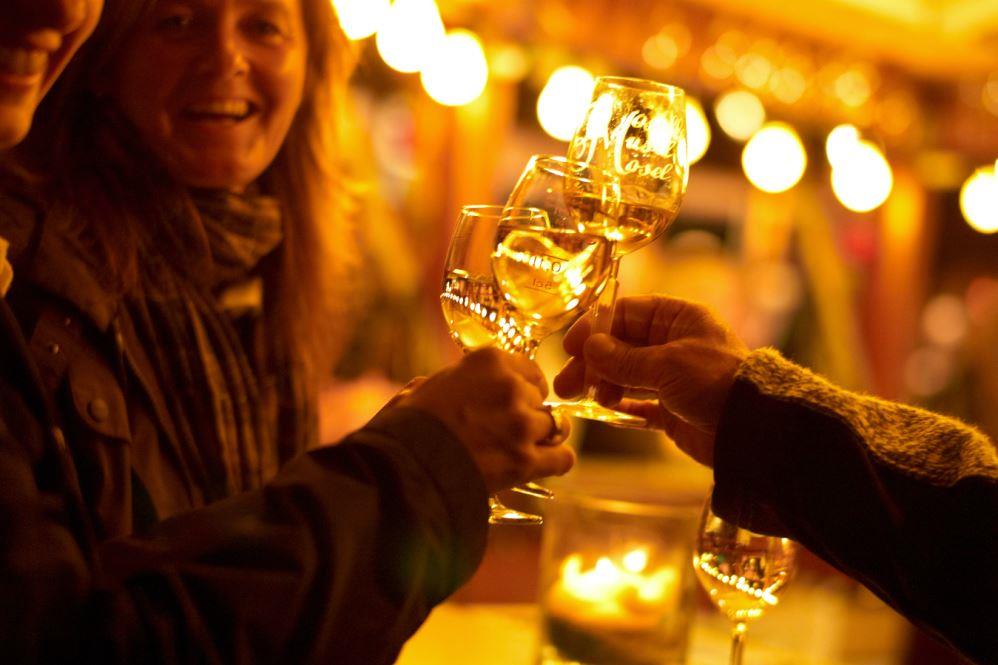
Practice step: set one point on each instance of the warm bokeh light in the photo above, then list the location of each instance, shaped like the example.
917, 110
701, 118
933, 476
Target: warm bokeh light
788, 85
361, 18
457, 71
774, 158
697, 130
927, 371
944, 320
409, 34
739, 113
563, 101
660, 51
863, 179
508, 62
979, 199
839, 142
853, 87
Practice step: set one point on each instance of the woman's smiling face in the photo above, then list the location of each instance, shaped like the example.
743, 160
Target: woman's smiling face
213, 86
37, 39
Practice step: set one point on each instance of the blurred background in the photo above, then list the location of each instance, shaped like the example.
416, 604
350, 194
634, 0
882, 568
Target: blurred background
843, 205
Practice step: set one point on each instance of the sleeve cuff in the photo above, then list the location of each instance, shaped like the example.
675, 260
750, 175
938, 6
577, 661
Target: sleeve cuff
447, 464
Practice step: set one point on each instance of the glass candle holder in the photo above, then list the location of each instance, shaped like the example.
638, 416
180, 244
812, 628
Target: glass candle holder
616, 584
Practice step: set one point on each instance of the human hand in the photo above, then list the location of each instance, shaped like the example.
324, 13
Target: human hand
677, 349
494, 403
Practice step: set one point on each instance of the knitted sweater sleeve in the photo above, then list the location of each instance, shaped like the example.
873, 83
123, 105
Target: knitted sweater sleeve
902, 499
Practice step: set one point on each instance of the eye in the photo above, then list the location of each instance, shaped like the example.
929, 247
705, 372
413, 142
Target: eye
174, 24
266, 27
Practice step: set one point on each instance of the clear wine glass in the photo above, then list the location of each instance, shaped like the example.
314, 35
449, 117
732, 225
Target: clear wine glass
510, 280
635, 129
743, 572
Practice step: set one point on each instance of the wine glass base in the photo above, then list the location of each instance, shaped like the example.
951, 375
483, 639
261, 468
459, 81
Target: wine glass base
534, 490
501, 514
595, 411
504, 515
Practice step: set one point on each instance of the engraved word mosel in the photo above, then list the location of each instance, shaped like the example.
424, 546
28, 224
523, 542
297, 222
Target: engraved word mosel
635, 153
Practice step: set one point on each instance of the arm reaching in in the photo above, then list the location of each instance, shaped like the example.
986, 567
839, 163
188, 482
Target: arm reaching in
897, 497
338, 559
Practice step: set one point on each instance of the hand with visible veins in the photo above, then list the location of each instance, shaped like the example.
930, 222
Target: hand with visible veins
677, 349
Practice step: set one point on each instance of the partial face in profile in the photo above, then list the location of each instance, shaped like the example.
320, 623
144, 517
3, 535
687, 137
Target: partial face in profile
37, 39
213, 86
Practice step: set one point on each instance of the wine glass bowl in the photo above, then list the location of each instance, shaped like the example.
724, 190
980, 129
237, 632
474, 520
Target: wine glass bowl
574, 195
548, 275
636, 129
743, 572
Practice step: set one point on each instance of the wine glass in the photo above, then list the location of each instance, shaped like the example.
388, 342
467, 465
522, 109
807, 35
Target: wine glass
510, 279
743, 572
636, 129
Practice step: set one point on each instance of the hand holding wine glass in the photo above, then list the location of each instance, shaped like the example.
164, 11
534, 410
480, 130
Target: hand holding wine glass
492, 402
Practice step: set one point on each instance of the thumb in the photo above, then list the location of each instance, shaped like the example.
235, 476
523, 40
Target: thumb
625, 365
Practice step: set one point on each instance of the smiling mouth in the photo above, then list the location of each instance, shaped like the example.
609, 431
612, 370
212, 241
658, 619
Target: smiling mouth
229, 111
23, 63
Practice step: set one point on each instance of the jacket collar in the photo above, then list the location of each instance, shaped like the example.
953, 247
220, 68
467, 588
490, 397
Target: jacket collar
48, 260
60, 269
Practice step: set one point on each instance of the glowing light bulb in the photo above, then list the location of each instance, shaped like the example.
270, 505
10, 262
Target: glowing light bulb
979, 199
739, 113
562, 103
409, 33
862, 180
839, 142
697, 131
361, 18
774, 158
457, 71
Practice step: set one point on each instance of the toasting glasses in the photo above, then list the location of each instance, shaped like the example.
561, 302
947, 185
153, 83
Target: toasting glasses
743, 572
510, 280
635, 130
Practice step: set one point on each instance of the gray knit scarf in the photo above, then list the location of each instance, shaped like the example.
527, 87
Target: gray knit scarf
236, 400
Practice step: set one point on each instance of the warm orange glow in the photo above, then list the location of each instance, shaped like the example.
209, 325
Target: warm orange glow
697, 131
456, 72
361, 18
409, 34
563, 101
979, 199
739, 113
774, 159
862, 179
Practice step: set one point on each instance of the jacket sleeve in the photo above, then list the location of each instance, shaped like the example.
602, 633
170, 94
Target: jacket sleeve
339, 559
904, 500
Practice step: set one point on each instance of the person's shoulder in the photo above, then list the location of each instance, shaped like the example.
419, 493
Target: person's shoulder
20, 214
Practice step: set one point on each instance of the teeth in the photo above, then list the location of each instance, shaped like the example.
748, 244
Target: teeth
22, 61
237, 108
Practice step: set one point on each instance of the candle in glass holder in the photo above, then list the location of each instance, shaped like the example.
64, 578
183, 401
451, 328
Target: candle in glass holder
611, 598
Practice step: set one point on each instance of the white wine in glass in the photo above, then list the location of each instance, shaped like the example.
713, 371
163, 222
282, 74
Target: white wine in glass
636, 130
502, 259
743, 572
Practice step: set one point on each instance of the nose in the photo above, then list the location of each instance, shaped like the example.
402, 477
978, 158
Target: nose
60, 16
224, 55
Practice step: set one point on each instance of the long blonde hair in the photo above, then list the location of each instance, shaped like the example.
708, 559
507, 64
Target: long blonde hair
89, 164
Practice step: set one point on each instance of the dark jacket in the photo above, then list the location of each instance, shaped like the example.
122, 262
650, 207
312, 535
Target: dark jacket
109, 556
904, 500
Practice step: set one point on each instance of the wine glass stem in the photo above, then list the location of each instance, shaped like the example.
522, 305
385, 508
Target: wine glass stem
737, 643
601, 320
